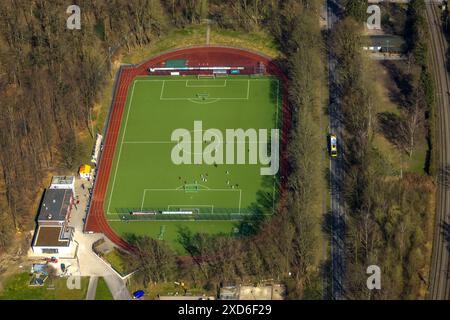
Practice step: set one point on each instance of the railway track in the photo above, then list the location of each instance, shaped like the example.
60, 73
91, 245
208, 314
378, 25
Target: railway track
439, 274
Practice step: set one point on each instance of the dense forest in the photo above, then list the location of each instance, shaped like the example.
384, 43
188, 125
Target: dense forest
389, 217
50, 79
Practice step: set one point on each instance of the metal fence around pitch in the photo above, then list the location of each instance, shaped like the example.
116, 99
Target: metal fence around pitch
189, 217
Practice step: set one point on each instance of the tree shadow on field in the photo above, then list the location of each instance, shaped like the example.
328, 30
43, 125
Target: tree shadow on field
401, 93
390, 125
132, 238
277, 91
282, 65
197, 243
187, 239
276, 98
263, 208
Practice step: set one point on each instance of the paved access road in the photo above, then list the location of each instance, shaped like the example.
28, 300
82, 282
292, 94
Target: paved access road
88, 263
336, 171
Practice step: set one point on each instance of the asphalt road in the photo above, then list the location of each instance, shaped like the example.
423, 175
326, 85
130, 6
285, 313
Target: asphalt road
440, 263
89, 264
336, 172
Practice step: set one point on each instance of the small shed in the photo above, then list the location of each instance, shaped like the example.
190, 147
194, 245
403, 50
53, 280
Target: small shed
386, 44
85, 172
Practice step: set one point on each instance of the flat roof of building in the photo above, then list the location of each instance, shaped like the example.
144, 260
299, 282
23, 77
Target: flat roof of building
55, 205
51, 236
63, 179
386, 40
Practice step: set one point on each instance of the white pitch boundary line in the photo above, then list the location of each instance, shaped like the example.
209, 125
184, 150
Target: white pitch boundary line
143, 199
205, 86
240, 198
248, 89
120, 149
189, 206
162, 90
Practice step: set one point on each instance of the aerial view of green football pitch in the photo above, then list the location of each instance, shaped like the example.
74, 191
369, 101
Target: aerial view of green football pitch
151, 193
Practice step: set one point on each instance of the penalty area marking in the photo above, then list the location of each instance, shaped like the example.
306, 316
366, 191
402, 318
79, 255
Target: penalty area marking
178, 189
212, 86
200, 101
205, 85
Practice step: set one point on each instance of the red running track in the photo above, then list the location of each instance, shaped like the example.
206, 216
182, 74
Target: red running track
195, 56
